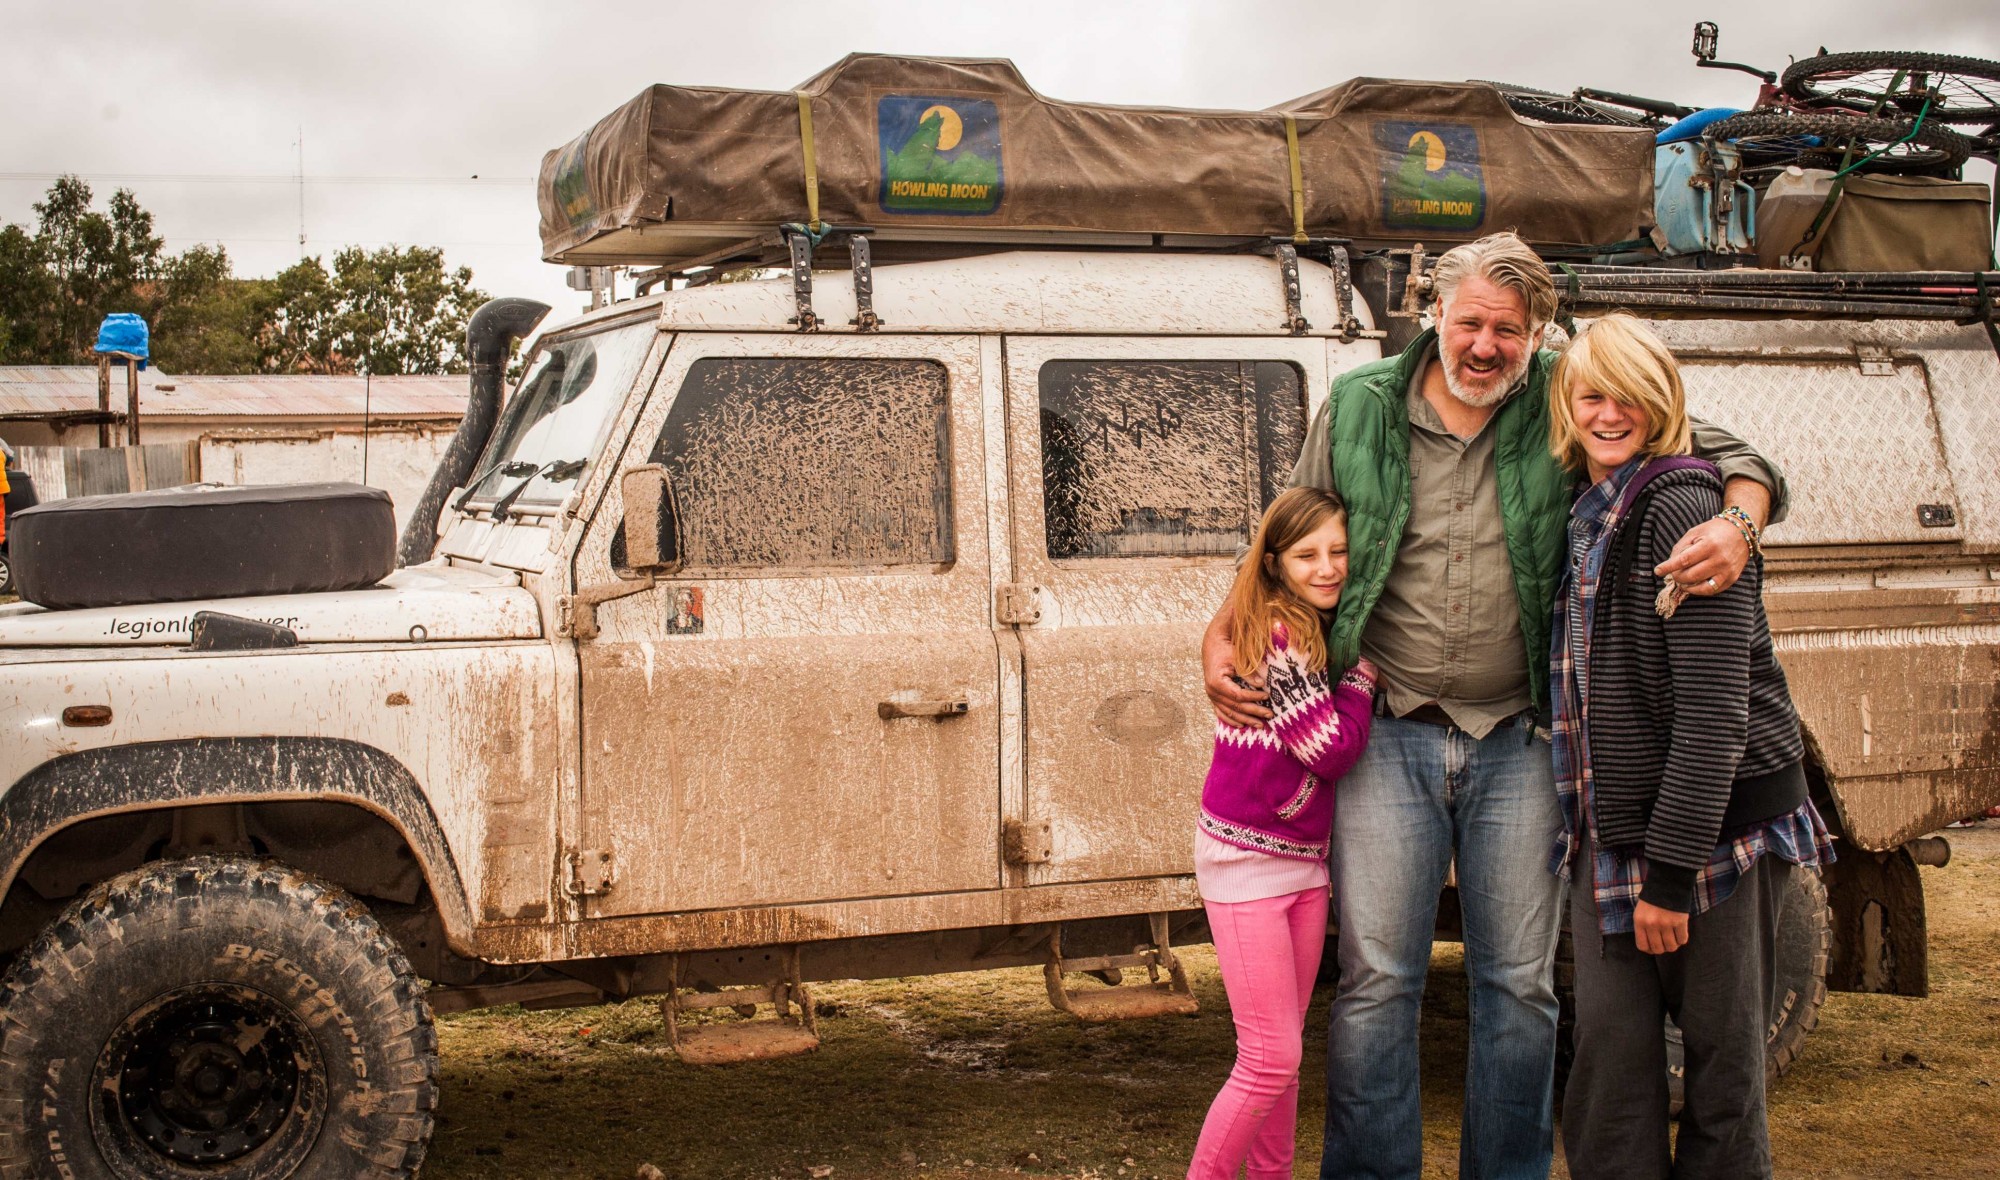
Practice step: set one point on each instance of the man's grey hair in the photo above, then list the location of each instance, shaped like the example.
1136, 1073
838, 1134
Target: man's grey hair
1504, 260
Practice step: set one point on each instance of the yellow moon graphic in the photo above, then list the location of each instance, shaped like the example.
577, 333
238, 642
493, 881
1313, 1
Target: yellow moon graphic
953, 127
1433, 149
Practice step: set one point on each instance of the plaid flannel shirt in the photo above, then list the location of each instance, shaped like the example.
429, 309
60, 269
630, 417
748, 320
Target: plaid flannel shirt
1616, 876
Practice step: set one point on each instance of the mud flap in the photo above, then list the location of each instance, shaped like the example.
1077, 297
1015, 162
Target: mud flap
786, 1034
1122, 1001
1880, 942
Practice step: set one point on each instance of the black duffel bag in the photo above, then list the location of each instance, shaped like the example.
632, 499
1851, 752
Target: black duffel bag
195, 542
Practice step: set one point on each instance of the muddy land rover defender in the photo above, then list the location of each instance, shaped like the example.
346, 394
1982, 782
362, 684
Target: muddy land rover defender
742, 657
845, 623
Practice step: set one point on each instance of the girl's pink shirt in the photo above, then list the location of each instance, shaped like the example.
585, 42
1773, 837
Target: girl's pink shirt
1226, 873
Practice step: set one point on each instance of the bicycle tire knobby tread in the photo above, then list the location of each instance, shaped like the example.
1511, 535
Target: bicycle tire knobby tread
1949, 147
1799, 77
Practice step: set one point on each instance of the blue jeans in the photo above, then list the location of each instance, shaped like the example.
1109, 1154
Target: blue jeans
1418, 795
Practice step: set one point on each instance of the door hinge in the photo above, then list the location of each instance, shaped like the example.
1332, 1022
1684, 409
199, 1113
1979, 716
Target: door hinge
589, 872
1018, 603
1027, 842
1875, 360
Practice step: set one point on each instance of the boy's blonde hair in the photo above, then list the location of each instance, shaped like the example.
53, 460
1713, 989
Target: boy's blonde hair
1621, 358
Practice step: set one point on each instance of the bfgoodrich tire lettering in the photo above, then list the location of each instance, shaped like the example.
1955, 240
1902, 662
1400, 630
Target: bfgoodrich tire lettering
217, 1018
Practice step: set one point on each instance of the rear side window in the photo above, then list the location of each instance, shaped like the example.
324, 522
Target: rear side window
1164, 458
784, 463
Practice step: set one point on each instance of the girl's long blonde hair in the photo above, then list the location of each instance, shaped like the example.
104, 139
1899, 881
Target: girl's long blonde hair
1260, 598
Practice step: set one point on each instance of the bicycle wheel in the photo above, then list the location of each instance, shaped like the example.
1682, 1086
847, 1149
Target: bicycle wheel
1547, 107
1960, 89
1773, 139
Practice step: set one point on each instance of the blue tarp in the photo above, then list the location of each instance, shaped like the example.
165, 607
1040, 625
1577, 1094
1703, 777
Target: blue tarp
124, 332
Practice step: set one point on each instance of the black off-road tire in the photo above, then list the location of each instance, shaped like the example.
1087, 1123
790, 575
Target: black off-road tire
1805, 942
215, 1018
1967, 88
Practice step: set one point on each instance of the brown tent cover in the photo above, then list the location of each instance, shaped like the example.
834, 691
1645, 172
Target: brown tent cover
964, 150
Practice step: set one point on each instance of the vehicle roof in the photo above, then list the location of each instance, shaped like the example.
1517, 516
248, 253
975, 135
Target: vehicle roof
1040, 292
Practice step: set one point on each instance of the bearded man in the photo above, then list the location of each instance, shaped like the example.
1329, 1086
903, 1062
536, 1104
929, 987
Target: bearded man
1457, 514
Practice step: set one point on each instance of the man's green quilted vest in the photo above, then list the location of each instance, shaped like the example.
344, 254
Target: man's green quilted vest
1370, 437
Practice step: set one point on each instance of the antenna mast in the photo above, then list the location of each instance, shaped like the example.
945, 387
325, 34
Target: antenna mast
302, 190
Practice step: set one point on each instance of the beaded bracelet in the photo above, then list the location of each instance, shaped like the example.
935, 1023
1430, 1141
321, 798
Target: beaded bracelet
1752, 535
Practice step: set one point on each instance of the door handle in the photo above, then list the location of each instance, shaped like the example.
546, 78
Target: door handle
935, 710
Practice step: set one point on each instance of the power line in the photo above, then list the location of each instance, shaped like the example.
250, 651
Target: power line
263, 178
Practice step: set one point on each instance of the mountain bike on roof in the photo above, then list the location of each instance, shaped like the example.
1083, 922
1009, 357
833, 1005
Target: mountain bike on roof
1882, 111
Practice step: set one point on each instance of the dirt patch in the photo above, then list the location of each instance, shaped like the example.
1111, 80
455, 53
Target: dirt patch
974, 1077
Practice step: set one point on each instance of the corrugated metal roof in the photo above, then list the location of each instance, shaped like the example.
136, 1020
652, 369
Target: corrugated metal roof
41, 390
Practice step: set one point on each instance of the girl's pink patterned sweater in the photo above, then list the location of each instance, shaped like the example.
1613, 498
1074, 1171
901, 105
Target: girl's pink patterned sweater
1271, 789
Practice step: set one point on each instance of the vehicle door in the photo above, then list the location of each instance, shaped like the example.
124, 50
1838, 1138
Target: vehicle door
803, 708
1137, 468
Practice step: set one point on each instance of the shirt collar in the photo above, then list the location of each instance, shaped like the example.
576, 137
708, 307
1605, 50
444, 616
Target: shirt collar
1600, 501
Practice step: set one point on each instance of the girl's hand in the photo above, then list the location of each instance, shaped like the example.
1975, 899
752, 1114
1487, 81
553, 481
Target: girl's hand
1659, 931
1367, 668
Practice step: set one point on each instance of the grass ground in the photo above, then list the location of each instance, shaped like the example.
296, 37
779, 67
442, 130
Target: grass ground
974, 1077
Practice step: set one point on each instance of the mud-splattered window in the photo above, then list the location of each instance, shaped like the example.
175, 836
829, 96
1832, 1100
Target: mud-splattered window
803, 463
1164, 458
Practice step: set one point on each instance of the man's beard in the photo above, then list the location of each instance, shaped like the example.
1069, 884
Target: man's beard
1496, 387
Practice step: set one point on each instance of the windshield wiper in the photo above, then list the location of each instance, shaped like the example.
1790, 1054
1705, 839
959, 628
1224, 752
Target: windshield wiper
503, 466
557, 469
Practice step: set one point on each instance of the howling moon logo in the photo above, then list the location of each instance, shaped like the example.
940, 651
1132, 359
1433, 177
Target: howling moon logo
951, 128
1431, 178
1433, 149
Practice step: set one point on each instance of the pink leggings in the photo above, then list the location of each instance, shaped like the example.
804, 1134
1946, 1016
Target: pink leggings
1269, 951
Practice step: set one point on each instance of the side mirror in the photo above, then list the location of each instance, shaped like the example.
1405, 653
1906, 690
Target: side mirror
648, 504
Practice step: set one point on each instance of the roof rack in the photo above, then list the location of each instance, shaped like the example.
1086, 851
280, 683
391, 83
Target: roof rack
1963, 296
796, 247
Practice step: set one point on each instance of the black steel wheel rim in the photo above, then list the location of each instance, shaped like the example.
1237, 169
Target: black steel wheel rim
204, 1077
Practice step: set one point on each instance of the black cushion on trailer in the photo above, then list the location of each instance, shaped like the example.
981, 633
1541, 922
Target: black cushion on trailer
179, 544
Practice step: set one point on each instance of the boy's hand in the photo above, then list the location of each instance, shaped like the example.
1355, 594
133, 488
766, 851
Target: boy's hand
1658, 931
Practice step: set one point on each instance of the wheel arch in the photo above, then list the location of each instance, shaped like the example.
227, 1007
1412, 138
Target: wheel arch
73, 789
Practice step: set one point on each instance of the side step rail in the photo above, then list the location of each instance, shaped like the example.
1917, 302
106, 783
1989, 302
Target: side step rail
787, 1034
1122, 1001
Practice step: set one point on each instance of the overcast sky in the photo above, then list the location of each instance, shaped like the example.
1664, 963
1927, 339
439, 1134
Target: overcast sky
189, 104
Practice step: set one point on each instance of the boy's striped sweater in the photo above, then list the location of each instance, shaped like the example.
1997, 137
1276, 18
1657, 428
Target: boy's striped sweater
1271, 789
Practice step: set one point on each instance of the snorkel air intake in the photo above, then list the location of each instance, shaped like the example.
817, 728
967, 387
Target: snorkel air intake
489, 336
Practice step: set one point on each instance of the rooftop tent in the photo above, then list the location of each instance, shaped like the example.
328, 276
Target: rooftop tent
951, 151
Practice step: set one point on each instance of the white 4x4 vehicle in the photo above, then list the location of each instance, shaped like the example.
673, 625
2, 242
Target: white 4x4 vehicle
749, 656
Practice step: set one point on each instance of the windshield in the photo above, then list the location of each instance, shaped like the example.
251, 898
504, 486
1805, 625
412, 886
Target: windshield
550, 429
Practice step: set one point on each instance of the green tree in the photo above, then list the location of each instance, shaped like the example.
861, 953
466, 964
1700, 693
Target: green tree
203, 318
26, 295
387, 311
96, 260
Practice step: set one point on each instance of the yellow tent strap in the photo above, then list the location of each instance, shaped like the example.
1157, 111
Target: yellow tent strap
812, 168
1298, 180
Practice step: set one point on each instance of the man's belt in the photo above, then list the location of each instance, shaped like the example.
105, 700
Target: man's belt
1430, 713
